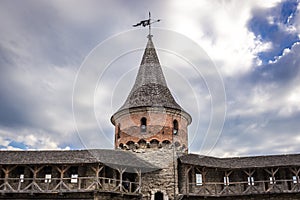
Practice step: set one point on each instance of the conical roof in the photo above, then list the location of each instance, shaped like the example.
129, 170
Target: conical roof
150, 88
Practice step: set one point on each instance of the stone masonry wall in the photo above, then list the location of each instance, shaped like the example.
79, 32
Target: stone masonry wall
164, 180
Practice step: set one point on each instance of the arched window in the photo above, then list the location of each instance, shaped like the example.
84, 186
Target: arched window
159, 196
175, 127
154, 143
130, 144
143, 124
142, 143
166, 143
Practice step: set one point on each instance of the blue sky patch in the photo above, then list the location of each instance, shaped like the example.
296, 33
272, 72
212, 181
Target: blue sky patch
272, 26
18, 145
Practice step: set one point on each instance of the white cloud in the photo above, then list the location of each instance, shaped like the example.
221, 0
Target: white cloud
290, 104
221, 29
4, 142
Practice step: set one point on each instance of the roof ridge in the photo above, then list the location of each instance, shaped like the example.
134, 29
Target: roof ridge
242, 157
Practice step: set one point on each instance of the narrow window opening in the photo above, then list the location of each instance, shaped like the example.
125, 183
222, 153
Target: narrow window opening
250, 180
143, 125
295, 179
108, 174
74, 178
22, 178
74, 174
159, 196
48, 174
226, 180
20, 170
175, 127
199, 179
48, 178
119, 131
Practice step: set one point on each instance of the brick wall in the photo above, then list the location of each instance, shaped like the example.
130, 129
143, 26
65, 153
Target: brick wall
159, 127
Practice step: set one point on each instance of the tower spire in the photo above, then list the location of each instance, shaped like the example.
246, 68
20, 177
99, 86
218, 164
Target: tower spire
150, 113
150, 88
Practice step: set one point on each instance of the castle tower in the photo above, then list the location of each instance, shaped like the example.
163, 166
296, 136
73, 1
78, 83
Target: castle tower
150, 116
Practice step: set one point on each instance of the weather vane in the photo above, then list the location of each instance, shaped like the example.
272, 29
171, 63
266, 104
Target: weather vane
147, 22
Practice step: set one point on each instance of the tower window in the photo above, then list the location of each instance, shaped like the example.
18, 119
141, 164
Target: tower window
143, 124
119, 131
175, 127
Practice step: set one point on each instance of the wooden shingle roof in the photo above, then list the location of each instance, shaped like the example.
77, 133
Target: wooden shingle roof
242, 162
150, 88
112, 158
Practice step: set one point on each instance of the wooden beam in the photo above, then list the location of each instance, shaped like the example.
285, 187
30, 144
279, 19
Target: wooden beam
249, 172
121, 171
187, 183
96, 181
97, 170
62, 185
139, 173
6, 186
34, 184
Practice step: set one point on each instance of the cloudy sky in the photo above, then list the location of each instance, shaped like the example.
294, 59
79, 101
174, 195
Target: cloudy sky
67, 66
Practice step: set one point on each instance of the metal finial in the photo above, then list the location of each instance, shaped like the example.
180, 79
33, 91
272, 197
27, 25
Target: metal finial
147, 22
